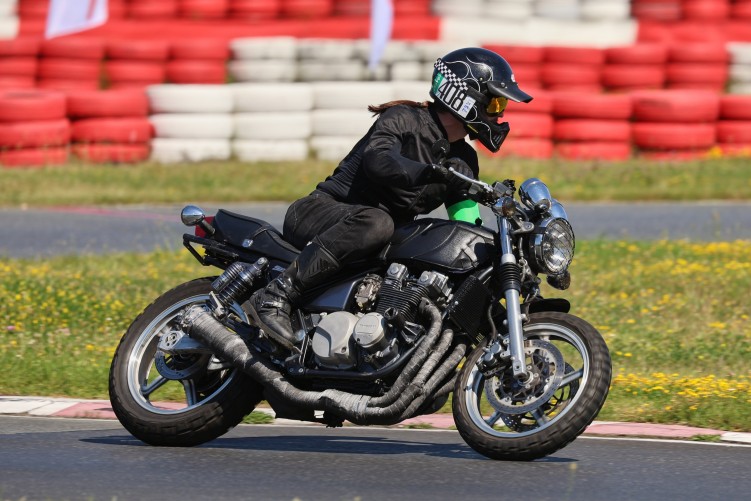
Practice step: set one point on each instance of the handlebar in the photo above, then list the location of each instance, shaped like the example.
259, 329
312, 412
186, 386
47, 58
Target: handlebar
484, 193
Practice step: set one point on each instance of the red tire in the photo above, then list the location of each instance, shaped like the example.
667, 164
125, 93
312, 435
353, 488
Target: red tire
196, 72
574, 55
149, 9
518, 54
562, 74
530, 125
734, 132
740, 10
135, 71
18, 66
34, 157
112, 130
68, 69
630, 77
17, 82
73, 48
526, 73
637, 54
33, 9
307, 9
676, 106
673, 136
108, 103
200, 49
30, 105
705, 73
581, 105
257, 10
522, 148
594, 150
698, 52
138, 50
112, 153
20, 47
706, 10
64, 85
650, 10
592, 130
35, 134
203, 9
735, 107
542, 102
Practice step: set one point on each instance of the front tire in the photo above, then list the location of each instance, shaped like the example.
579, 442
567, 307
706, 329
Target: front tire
502, 420
145, 386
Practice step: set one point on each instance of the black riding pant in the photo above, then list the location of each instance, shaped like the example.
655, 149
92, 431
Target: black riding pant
348, 231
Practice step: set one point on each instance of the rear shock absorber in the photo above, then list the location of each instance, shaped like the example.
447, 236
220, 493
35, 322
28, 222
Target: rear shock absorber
235, 285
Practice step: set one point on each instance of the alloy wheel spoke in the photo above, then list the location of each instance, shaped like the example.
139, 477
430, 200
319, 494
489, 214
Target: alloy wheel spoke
191, 396
540, 417
492, 420
571, 377
148, 389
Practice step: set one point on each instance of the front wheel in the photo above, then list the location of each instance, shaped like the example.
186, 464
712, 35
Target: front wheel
503, 418
180, 400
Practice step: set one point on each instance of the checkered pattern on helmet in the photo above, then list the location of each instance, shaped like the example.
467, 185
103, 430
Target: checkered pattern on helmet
450, 76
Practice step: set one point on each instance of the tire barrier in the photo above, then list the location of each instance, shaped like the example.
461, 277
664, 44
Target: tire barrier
70, 63
34, 129
734, 125
110, 126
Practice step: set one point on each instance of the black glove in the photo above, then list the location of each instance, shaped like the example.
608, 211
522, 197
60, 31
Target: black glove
462, 168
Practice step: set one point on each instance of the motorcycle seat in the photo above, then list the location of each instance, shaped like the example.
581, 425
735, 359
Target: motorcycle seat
253, 234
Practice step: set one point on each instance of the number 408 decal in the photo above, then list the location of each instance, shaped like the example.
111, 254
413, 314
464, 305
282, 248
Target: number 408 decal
452, 95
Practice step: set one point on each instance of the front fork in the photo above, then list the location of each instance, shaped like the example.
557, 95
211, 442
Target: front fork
511, 281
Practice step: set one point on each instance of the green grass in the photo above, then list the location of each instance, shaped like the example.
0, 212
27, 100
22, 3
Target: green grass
232, 181
674, 314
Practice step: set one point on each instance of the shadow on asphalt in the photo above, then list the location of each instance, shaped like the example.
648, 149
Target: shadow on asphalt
330, 445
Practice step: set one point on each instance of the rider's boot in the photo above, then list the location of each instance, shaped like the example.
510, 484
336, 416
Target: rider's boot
271, 307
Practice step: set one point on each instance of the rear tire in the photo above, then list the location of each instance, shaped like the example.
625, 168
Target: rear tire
215, 398
558, 418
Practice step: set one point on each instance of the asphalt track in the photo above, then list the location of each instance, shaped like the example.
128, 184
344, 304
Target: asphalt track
82, 459
75, 230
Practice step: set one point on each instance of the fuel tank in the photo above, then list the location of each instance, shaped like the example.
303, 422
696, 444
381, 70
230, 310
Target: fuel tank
452, 246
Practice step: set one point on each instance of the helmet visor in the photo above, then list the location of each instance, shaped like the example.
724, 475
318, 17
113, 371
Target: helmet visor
496, 106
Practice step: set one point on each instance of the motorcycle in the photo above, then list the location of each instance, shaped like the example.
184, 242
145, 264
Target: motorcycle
446, 307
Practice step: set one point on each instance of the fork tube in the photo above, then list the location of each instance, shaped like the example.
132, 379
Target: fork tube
513, 308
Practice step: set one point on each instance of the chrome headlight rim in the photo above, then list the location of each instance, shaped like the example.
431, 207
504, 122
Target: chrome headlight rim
537, 242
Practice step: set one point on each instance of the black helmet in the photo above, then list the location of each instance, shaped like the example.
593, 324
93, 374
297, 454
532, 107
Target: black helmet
474, 85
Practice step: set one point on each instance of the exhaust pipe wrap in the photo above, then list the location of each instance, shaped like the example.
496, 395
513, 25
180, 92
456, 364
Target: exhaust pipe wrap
418, 382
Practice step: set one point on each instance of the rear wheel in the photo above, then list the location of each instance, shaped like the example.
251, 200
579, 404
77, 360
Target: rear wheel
502, 418
176, 400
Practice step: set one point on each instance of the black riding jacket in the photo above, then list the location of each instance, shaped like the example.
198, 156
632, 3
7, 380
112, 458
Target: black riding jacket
390, 167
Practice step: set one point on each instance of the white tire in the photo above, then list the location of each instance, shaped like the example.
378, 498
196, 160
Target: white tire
264, 48
9, 27
273, 126
272, 96
598, 10
509, 9
408, 71
414, 91
341, 122
740, 73
740, 88
320, 71
465, 8
325, 49
350, 95
430, 51
251, 150
395, 51
8, 8
168, 151
558, 9
740, 53
332, 148
193, 125
174, 98
263, 70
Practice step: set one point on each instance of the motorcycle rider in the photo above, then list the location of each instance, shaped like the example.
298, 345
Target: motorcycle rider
394, 173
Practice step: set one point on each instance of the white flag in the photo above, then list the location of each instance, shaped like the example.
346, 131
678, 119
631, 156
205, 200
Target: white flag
70, 16
381, 19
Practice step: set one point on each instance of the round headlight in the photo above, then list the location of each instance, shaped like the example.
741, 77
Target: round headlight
552, 246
